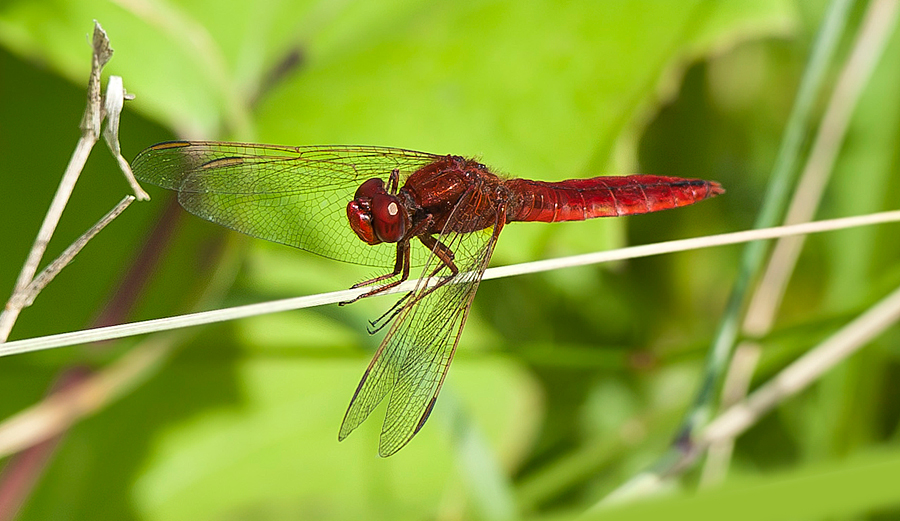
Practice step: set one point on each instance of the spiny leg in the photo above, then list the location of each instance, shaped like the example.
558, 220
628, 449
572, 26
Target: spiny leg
403, 257
386, 317
398, 267
401, 267
445, 256
394, 181
442, 252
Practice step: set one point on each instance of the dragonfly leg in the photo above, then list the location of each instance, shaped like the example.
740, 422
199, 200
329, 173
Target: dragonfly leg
401, 267
394, 181
398, 266
445, 256
442, 252
386, 317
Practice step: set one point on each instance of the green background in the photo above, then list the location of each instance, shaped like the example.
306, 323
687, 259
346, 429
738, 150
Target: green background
565, 384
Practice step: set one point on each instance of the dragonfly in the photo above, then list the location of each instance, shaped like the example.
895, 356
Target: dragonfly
394, 209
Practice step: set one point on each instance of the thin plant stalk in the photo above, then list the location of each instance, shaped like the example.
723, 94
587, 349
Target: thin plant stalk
784, 172
875, 31
275, 306
90, 133
27, 287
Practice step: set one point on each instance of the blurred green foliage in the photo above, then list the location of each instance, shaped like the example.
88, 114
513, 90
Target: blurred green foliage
566, 384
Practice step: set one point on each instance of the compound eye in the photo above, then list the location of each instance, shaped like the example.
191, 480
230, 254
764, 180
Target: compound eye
370, 188
360, 216
388, 218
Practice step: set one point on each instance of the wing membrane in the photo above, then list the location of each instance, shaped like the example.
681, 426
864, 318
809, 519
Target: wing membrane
290, 195
414, 356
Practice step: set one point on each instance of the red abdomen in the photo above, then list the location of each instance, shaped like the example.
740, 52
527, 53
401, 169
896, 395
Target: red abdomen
580, 199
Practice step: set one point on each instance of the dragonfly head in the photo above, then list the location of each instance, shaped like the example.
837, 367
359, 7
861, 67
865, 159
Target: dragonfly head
375, 215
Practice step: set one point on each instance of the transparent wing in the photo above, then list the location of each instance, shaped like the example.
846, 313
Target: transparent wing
415, 354
291, 195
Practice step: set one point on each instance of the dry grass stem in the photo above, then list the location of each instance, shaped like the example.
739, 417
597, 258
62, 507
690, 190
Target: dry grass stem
27, 287
221, 315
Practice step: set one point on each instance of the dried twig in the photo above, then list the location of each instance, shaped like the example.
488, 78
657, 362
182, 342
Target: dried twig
115, 101
27, 287
59, 411
25, 298
804, 371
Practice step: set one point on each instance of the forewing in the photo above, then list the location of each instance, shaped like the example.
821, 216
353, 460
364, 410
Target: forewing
291, 195
415, 354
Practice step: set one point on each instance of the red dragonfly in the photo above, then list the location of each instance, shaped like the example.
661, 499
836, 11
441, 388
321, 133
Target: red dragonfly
371, 206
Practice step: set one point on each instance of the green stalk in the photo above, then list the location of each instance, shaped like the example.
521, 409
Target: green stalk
784, 174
